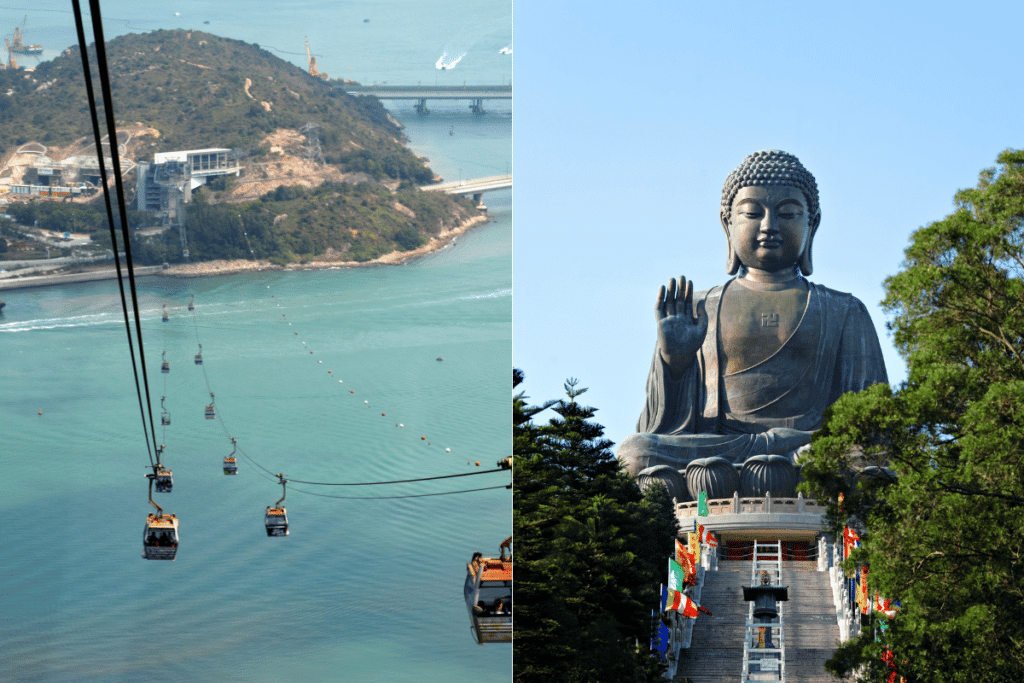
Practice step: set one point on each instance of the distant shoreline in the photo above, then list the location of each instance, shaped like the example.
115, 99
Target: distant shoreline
229, 267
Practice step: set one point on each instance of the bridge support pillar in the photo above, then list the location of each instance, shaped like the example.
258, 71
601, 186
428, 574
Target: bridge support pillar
421, 107
478, 106
478, 197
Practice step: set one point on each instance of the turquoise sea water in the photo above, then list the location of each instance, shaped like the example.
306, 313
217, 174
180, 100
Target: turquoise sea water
362, 590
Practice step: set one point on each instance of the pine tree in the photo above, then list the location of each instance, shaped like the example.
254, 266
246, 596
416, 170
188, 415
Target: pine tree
944, 534
590, 551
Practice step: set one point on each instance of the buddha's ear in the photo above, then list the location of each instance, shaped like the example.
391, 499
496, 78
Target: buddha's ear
806, 267
732, 261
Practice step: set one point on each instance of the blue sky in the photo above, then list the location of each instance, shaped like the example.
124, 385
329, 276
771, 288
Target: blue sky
628, 118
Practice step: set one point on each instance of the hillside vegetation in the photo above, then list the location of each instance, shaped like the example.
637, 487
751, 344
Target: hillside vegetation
176, 90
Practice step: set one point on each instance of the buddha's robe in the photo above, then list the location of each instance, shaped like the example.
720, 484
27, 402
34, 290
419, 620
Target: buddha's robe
833, 350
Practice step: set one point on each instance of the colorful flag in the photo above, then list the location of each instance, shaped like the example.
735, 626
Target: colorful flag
885, 606
661, 637
850, 541
675, 575
688, 562
694, 549
702, 504
680, 552
682, 604
865, 600
706, 536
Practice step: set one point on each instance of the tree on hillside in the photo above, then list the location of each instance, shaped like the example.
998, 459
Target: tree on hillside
945, 536
590, 551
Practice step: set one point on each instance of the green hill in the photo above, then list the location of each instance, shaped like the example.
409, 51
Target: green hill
197, 91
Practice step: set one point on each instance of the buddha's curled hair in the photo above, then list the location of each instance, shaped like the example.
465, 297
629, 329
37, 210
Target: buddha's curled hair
771, 167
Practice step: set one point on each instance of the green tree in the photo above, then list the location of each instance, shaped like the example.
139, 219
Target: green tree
945, 535
590, 551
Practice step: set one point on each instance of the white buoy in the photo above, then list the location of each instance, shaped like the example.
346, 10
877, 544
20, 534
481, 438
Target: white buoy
365, 401
341, 381
319, 361
447, 450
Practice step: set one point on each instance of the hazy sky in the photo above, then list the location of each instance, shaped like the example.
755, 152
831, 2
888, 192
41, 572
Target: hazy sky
628, 118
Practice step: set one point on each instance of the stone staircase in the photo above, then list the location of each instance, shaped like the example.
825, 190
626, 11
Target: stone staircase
812, 633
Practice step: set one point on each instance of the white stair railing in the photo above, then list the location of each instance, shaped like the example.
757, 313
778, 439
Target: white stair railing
765, 663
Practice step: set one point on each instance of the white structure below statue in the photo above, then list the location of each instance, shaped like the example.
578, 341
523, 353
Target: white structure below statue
818, 617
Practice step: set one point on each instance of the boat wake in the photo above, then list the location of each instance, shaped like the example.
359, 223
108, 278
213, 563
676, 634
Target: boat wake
448, 61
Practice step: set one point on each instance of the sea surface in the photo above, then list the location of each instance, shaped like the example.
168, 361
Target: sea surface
368, 586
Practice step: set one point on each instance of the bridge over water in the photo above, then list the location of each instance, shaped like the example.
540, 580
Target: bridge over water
475, 93
474, 188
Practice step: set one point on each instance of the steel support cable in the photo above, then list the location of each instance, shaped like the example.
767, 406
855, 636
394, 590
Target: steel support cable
417, 495
115, 157
217, 413
369, 483
398, 481
87, 74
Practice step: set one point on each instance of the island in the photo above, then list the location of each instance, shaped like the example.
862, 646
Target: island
233, 159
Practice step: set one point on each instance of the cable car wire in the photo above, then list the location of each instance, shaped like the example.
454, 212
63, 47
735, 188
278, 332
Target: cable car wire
399, 481
101, 59
417, 495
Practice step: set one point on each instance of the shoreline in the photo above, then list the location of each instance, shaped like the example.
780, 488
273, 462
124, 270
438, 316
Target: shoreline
230, 267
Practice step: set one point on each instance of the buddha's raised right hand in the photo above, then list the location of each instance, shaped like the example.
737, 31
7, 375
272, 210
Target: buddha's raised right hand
680, 332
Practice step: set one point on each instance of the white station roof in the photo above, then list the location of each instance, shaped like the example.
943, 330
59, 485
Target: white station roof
164, 157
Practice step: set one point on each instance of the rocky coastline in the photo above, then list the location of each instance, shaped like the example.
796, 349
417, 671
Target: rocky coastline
228, 267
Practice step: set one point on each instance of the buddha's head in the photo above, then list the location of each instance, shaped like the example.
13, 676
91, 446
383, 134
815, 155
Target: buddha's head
770, 213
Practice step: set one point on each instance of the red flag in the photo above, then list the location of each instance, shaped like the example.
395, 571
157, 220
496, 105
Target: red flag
680, 552
707, 537
850, 541
682, 604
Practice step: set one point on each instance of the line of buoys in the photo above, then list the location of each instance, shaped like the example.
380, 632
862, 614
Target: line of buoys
352, 391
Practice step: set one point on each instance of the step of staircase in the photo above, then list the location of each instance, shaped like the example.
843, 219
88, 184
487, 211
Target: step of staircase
811, 630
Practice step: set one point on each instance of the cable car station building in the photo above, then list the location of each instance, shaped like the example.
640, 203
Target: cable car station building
167, 183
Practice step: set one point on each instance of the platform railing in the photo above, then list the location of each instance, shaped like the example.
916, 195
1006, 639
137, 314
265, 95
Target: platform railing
738, 505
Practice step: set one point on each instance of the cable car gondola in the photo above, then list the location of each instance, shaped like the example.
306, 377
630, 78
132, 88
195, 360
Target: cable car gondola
276, 519
191, 305
160, 535
211, 412
165, 316
165, 367
164, 479
199, 356
488, 593
165, 415
230, 464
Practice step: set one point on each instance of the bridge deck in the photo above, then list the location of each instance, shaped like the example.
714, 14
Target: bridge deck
434, 92
498, 182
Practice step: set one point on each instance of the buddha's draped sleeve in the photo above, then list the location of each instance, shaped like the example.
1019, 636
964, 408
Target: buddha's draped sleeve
676, 406
859, 362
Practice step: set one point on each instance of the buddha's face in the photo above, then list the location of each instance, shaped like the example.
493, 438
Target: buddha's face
769, 227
